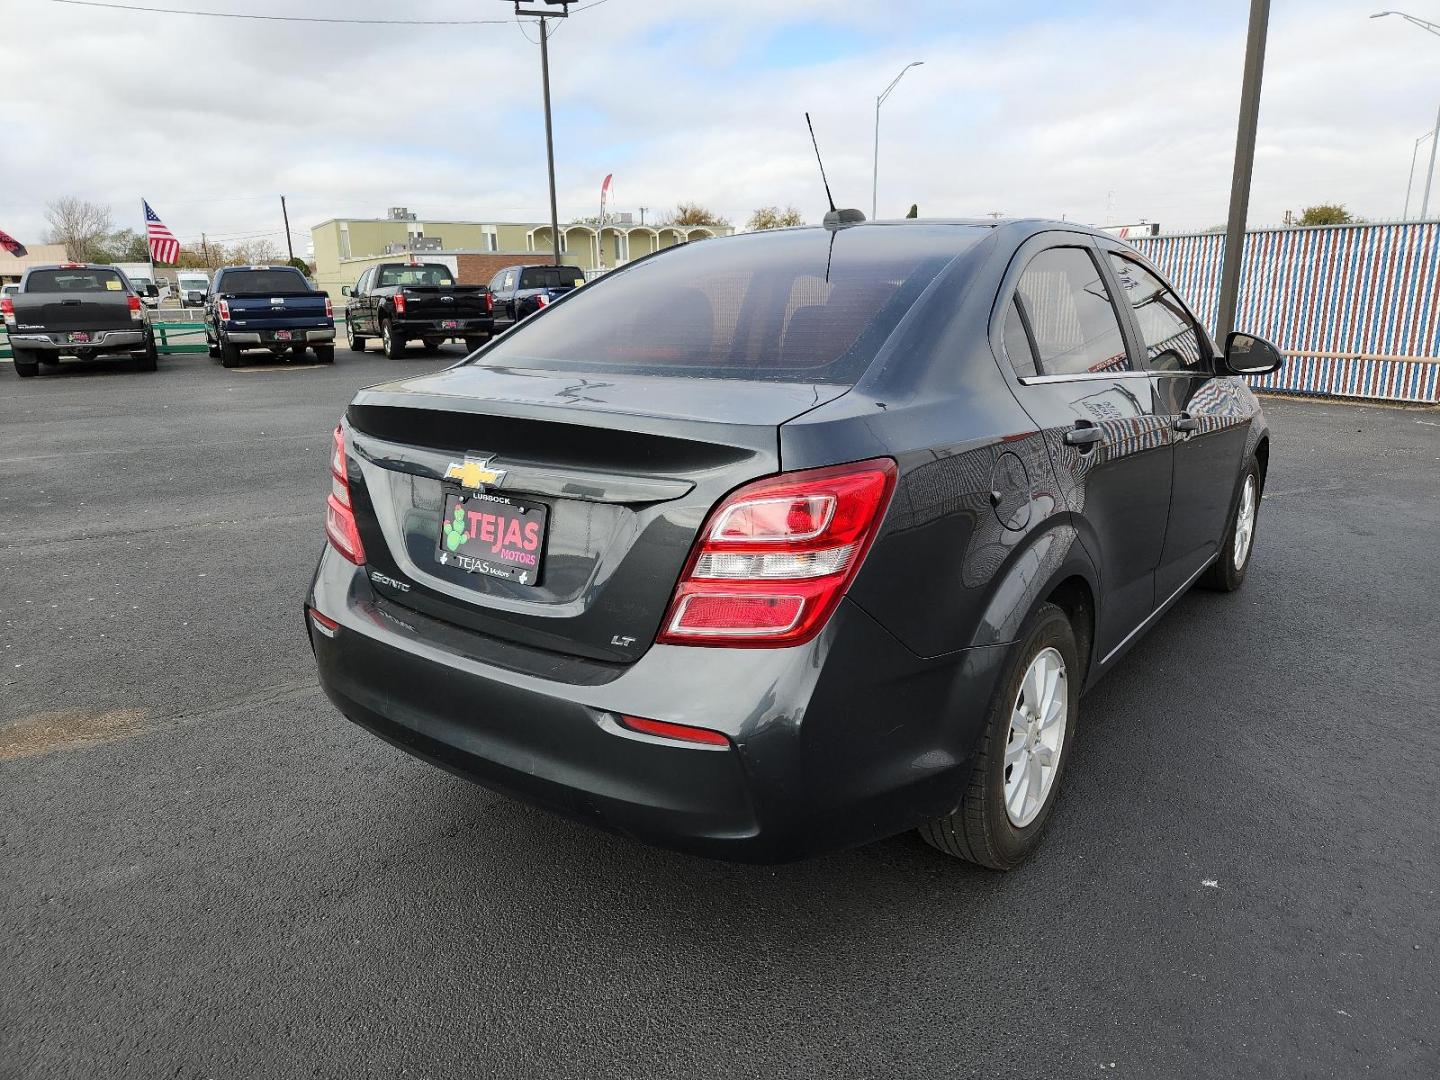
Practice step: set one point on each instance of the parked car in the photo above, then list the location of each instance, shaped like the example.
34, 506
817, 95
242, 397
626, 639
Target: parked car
267, 307
523, 290
401, 302
10, 290
192, 289
79, 310
792, 540
141, 278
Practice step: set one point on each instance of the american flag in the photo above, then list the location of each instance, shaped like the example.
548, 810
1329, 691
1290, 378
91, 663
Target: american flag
164, 248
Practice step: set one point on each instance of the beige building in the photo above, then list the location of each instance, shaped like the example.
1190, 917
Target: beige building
12, 268
344, 247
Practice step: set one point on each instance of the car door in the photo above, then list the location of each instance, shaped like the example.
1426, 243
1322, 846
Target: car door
505, 297
358, 310
1077, 379
1208, 413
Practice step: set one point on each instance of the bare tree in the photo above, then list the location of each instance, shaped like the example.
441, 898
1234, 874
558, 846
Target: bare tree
772, 217
255, 252
83, 227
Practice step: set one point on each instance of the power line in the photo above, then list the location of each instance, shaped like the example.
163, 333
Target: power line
284, 18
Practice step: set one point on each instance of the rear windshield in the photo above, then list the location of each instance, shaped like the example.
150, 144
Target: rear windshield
77, 281
415, 275
803, 306
282, 279
551, 277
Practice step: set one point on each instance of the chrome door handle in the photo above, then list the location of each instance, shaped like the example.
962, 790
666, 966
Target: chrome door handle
1086, 435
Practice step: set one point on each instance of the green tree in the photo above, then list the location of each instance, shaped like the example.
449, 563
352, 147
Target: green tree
299, 264
772, 217
1327, 214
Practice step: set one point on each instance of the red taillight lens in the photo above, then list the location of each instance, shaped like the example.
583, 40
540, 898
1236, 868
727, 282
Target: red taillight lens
776, 556
682, 732
134, 302
399, 304
329, 308
323, 623
489, 303
224, 308
136, 315
541, 300
7, 309
340, 527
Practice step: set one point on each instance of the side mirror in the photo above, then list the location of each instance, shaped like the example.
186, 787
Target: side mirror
152, 290
1246, 354
345, 290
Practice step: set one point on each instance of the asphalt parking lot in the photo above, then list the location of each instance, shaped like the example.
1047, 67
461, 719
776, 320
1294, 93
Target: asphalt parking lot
206, 872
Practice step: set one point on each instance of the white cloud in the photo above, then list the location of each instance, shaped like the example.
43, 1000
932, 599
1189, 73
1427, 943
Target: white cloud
1100, 111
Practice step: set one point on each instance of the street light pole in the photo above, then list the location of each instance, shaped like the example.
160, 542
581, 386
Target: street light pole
1430, 172
1244, 167
1434, 28
1410, 183
875, 176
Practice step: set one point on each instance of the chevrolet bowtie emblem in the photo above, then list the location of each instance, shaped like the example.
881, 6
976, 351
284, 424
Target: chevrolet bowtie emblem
475, 472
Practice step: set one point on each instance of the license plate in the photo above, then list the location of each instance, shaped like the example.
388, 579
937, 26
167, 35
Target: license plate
448, 324
282, 335
494, 536
80, 337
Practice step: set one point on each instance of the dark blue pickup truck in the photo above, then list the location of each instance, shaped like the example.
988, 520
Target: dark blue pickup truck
267, 307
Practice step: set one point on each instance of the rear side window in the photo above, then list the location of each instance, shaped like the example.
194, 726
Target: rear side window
1071, 317
75, 281
551, 277
269, 282
1017, 342
416, 275
806, 306
1172, 340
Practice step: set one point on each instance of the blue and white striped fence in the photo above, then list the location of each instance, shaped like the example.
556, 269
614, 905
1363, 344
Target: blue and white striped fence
1354, 308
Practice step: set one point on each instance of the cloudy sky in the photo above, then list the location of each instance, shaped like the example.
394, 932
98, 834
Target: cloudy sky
1102, 112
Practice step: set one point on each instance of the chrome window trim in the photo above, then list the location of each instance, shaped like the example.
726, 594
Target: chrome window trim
1084, 376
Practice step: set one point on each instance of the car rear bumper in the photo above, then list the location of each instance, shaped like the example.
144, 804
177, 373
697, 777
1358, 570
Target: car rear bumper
432, 328
298, 336
845, 740
101, 341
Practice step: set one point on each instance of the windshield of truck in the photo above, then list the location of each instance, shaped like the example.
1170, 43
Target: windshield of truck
275, 281
551, 277
76, 281
415, 275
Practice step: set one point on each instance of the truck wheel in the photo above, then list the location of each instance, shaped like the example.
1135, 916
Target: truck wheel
473, 343
324, 354
229, 354
211, 347
394, 348
356, 343
26, 366
149, 360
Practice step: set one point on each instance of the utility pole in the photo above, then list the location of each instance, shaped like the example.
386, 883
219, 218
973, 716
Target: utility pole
549, 139
286, 215
1244, 168
205, 250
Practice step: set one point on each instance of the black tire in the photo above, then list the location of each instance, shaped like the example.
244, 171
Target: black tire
430, 345
26, 365
356, 343
393, 348
980, 830
149, 360
1224, 575
324, 354
473, 343
211, 346
229, 354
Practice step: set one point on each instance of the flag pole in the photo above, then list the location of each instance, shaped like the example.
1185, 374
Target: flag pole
150, 251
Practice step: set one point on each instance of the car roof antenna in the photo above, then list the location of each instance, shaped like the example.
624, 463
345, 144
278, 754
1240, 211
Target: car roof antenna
834, 218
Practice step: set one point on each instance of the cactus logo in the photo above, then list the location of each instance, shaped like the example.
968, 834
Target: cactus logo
454, 530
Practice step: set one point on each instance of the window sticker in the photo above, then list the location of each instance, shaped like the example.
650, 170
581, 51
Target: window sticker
112, 284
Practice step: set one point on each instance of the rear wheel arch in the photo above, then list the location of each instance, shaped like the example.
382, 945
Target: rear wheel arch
1047, 565
1076, 598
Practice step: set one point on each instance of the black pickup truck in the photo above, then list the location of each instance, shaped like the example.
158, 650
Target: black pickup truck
401, 301
523, 290
267, 307
82, 310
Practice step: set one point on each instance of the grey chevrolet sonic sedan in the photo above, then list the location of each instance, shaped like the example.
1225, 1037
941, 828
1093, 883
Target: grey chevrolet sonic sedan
778, 543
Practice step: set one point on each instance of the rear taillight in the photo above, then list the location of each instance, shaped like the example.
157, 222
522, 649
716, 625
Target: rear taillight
136, 315
399, 304
541, 300
329, 308
7, 309
340, 527
775, 557
323, 623
223, 307
489, 303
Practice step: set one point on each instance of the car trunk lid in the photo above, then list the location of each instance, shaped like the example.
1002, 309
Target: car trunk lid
623, 470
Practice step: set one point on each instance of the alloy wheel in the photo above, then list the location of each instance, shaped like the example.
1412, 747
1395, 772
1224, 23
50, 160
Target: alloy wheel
1037, 734
1244, 523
